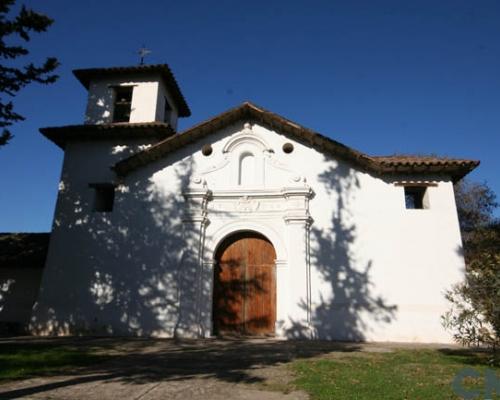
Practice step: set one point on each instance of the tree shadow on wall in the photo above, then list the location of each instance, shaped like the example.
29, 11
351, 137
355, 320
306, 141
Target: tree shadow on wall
101, 107
232, 311
131, 271
350, 305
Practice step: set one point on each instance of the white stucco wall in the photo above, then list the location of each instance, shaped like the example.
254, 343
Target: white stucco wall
352, 262
18, 291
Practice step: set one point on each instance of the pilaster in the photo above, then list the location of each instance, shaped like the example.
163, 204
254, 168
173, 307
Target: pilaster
192, 289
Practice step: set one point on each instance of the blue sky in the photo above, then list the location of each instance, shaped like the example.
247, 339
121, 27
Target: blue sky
382, 76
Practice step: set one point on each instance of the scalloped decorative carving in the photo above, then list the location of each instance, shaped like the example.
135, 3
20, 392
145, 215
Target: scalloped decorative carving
246, 204
215, 167
246, 136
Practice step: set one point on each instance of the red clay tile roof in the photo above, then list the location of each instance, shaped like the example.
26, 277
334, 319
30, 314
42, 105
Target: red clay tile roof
23, 250
402, 160
60, 135
86, 75
456, 168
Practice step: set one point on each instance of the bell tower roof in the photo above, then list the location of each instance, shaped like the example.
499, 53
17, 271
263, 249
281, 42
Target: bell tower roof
86, 76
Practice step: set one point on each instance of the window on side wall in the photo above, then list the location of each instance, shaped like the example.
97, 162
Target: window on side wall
416, 197
104, 196
123, 103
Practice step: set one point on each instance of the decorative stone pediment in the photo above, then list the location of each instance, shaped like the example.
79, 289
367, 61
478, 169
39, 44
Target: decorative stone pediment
248, 160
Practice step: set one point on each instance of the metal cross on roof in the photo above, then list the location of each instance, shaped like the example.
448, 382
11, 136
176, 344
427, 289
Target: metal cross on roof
143, 52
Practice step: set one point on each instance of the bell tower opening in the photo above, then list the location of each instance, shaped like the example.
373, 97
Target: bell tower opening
122, 103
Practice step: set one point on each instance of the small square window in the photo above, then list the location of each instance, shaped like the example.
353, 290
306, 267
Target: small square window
123, 103
415, 197
104, 196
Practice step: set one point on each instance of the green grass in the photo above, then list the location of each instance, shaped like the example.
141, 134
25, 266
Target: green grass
402, 374
25, 361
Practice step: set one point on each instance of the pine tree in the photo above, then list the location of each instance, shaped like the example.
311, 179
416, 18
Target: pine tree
14, 32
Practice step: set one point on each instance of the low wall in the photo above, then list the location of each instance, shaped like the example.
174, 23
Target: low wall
22, 258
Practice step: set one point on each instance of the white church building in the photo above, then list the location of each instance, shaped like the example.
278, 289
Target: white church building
245, 224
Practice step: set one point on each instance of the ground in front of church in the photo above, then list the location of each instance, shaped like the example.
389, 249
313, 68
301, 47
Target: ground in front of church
246, 369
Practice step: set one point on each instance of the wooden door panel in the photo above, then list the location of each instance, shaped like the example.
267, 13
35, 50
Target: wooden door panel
245, 286
233, 254
260, 302
228, 294
260, 251
230, 297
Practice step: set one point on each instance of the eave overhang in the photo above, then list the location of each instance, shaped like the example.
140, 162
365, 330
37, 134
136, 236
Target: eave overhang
61, 135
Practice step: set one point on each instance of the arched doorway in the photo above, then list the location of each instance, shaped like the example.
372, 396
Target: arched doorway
244, 299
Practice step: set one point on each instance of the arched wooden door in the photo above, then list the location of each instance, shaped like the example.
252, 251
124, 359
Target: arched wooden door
245, 286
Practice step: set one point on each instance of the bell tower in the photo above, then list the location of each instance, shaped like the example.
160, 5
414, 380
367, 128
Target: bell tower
137, 94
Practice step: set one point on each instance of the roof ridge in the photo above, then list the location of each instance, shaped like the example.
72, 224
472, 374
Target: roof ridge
141, 66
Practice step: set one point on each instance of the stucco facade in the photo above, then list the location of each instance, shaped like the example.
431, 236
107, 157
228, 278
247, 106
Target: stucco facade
352, 263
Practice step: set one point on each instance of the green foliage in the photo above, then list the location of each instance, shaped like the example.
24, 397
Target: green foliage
475, 205
474, 316
402, 374
14, 30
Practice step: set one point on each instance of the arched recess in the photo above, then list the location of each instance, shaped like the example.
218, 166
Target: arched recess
247, 171
244, 296
246, 139
213, 240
